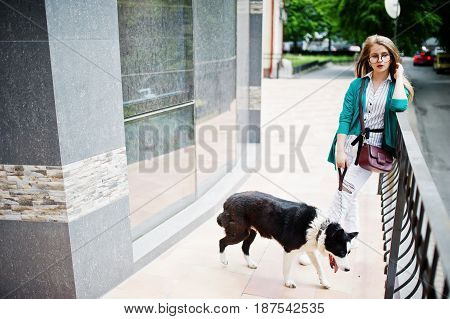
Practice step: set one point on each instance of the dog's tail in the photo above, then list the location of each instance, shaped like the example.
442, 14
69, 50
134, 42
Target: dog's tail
222, 219
219, 219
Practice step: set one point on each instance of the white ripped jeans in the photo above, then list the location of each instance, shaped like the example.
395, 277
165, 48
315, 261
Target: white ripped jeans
344, 207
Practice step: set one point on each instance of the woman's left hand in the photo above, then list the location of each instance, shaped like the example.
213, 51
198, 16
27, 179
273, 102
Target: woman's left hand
398, 71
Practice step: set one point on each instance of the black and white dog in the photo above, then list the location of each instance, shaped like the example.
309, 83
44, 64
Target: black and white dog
298, 227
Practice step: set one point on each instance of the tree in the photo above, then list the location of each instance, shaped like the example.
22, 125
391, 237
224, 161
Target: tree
331, 18
303, 18
417, 21
355, 20
443, 34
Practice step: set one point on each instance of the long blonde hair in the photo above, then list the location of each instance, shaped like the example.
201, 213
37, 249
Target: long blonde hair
363, 66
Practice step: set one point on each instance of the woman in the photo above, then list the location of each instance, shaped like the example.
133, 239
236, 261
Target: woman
385, 92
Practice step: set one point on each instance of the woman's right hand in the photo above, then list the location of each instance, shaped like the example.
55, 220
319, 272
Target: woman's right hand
341, 159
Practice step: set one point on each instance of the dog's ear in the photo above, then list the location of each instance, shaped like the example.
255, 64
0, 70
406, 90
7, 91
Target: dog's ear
352, 235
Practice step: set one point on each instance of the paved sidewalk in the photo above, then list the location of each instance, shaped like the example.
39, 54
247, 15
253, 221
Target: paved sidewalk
191, 268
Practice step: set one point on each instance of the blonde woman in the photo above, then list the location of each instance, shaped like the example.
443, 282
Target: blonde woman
386, 91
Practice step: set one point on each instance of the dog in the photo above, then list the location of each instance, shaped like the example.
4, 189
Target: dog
296, 226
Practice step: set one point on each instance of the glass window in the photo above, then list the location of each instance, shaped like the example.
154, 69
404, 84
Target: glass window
156, 51
161, 166
156, 54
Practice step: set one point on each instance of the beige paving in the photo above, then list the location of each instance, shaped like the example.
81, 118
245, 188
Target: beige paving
191, 268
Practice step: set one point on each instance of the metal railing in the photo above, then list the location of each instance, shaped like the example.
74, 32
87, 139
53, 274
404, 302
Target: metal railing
415, 225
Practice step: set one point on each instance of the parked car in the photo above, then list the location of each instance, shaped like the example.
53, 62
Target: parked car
354, 48
441, 62
422, 58
436, 51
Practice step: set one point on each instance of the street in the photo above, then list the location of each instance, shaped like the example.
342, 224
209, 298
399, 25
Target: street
432, 111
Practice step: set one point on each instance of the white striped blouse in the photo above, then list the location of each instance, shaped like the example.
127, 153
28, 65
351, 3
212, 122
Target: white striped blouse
375, 105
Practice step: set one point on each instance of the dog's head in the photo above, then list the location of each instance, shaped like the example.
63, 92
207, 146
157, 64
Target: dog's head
337, 245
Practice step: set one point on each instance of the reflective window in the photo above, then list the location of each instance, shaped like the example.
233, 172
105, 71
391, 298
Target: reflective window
215, 89
156, 54
156, 51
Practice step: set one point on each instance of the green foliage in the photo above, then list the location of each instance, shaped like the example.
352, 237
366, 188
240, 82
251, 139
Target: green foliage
355, 20
359, 19
416, 23
443, 33
298, 59
303, 18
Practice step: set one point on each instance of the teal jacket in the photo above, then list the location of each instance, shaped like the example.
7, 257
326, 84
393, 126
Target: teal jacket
349, 121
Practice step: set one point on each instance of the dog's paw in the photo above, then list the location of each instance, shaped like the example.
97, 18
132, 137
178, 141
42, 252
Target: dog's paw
223, 259
252, 265
290, 284
325, 284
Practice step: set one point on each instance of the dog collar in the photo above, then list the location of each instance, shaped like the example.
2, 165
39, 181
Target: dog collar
322, 228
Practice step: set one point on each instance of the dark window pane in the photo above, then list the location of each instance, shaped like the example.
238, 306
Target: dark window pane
156, 54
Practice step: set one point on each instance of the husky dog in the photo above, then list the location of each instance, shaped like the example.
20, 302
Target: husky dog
297, 226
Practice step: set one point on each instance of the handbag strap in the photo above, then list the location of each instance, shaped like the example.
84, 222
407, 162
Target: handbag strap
361, 121
364, 131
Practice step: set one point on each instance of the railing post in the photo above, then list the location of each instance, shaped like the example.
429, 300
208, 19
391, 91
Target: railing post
380, 182
414, 207
397, 226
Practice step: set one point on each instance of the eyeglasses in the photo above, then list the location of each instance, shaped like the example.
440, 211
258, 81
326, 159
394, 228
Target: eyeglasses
385, 57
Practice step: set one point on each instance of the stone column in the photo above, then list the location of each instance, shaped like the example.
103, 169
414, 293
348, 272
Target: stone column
64, 228
255, 67
242, 72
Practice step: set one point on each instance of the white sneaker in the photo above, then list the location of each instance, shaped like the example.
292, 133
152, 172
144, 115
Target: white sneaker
303, 259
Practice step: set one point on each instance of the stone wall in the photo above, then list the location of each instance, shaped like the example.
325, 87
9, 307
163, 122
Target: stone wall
62, 193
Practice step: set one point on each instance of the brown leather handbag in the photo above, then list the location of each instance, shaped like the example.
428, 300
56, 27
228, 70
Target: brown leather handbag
370, 157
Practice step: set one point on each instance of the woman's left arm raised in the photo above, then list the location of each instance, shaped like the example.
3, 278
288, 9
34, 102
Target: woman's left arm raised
399, 101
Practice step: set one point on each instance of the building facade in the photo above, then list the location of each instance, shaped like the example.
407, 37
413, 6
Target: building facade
116, 119
274, 17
